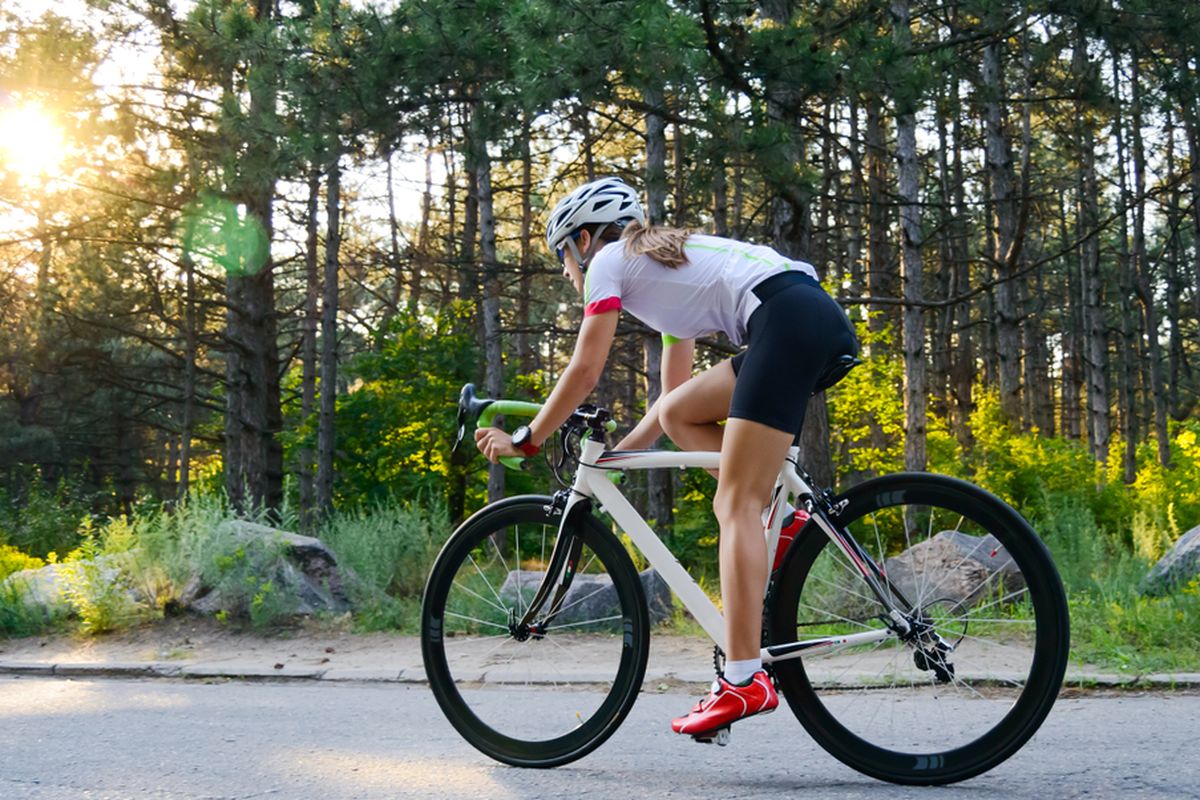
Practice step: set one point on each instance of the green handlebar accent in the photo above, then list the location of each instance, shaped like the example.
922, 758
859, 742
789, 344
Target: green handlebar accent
517, 408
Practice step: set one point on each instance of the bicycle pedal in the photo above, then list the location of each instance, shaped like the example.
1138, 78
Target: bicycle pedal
719, 737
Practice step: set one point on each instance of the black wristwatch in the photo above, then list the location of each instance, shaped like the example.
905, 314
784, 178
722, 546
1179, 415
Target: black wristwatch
521, 439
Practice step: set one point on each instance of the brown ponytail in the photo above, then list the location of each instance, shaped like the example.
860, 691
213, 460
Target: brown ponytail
663, 244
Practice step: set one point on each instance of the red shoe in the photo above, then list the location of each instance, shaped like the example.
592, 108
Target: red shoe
786, 534
727, 703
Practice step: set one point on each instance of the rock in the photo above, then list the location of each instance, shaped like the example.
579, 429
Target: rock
42, 588
964, 569
591, 597
1177, 568
306, 577
46, 587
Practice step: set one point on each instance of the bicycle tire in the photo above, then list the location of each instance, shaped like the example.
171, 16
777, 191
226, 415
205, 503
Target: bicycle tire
948, 721
503, 708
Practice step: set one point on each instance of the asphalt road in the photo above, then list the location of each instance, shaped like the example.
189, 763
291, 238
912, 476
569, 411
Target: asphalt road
159, 738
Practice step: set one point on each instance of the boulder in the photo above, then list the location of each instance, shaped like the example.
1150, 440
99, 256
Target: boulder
40, 588
1177, 568
306, 572
45, 587
956, 568
591, 597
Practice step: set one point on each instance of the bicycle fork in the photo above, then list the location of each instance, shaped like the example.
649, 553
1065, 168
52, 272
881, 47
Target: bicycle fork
564, 561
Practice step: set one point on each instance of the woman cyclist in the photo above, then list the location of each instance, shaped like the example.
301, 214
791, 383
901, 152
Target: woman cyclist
685, 285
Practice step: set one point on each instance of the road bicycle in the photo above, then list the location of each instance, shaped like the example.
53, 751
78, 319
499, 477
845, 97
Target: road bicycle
917, 626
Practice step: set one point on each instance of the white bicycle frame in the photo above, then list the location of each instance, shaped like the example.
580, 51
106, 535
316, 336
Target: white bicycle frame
592, 482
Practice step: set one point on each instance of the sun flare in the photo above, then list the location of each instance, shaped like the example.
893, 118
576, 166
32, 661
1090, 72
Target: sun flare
31, 144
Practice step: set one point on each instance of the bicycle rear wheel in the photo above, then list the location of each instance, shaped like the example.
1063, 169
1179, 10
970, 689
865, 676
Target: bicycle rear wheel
978, 577
540, 698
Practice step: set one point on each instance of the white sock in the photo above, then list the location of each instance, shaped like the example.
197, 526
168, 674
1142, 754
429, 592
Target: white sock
788, 508
742, 671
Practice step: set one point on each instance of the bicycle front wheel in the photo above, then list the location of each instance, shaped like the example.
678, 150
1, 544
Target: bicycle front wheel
974, 577
536, 698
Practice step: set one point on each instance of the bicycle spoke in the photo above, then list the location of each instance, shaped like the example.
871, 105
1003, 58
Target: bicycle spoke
586, 622
476, 619
485, 580
473, 593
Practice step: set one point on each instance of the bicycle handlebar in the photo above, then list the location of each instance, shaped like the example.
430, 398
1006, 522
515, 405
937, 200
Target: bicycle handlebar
483, 411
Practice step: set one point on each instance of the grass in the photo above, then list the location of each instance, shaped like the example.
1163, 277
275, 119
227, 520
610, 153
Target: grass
1113, 626
386, 551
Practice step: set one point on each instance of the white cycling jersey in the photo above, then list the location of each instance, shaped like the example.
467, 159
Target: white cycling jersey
711, 292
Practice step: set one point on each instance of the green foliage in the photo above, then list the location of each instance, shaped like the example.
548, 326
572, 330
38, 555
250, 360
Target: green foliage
43, 519
389, 548
13, 560
94, 586
389, 545
694, 539
19, 616
397, 423
866, 410
1026, 468
866, 416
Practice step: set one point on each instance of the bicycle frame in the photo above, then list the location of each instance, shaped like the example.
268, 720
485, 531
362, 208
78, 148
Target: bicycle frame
592, 483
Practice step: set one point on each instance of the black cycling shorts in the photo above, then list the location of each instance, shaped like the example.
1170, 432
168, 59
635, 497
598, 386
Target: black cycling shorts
791, 338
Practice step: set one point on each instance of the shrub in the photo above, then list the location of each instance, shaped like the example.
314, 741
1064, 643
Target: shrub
43, 519
389, 545
13, 560
96, 589
19, 617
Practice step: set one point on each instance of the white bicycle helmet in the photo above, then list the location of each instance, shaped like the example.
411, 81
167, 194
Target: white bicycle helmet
605, 201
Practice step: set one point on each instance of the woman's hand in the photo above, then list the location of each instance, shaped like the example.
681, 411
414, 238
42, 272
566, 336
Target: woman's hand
495, 443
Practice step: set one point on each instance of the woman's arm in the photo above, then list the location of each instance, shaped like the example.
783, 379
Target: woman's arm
676, 368
574, 385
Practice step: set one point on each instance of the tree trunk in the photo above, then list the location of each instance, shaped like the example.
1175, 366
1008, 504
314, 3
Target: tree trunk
963, 366
326, 432
1095, 329
1176, 358
854, 214
416, 278
1193, 138
253, 418
1129, 348
913, 342
1145, 278
525, 356
392, 305
720, 184
659, 482
481, 168
880, 280
191, 335
680, 192
1073, 339
1006, 252
308, 352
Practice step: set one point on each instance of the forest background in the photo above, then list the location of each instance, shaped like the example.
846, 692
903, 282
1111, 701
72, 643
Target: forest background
250, 250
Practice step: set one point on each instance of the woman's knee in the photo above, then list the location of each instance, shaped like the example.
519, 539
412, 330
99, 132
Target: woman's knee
731, 505
672, 414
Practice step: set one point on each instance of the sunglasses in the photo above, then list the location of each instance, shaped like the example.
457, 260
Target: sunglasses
562, 250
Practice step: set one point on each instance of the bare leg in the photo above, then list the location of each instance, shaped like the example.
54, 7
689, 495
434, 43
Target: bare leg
751, 456
690, 413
